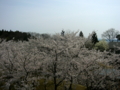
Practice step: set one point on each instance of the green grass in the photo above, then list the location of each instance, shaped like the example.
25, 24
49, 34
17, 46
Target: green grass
50, 86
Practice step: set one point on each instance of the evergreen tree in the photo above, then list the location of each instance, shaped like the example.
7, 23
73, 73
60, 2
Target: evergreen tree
62, 33
118, 37
94, 38
81, 34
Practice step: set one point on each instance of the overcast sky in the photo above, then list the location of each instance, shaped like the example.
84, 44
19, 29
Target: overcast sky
51, 16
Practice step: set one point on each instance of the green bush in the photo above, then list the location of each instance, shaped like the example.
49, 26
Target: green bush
101, 45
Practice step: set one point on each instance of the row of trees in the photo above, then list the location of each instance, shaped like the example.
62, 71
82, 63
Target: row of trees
93, 42
57, 63
14, 35
109, 35
94, 38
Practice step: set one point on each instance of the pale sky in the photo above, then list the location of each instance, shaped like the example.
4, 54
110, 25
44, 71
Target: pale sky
51, 16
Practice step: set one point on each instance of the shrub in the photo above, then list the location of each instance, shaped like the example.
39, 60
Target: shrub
101, 45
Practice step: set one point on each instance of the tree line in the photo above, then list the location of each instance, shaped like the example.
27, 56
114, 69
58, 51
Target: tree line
14, 35
91, 43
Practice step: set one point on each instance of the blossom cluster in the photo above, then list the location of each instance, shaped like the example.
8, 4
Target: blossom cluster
58, 59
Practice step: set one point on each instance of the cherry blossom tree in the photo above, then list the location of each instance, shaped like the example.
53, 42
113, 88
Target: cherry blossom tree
59, 59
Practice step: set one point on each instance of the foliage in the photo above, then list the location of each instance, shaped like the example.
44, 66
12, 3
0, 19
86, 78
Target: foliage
30, 65
81, 34
14, 35
45, 36
91, 40
118, 37
94, 38
101, 45
89, 44
62, 33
